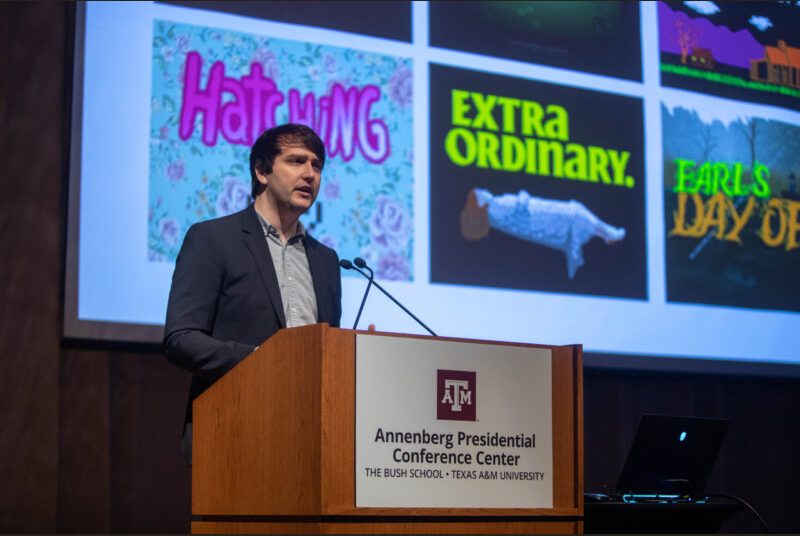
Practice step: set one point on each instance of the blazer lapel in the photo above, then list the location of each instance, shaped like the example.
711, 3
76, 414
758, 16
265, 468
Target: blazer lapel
318, 276
253, 236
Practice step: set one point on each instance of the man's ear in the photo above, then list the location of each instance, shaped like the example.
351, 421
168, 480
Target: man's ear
262, 177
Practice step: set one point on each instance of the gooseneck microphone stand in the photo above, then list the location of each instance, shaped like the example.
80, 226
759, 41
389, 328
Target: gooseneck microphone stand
357, 265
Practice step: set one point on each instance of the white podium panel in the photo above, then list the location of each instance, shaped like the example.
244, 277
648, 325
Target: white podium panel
452, 424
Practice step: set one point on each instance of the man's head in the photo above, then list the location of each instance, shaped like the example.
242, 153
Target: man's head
275, 140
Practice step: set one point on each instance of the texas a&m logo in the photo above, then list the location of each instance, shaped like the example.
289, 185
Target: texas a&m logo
455, 395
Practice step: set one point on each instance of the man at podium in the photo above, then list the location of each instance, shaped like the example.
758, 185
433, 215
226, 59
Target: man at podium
240, 278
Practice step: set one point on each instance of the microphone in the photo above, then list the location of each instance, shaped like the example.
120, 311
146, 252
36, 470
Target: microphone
357, 265
361, 263
347, 265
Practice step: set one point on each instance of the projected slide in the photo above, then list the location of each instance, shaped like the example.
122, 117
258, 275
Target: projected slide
214, 91
536, 186
732, 206
597, 36
741, 50
390, 19
618, 174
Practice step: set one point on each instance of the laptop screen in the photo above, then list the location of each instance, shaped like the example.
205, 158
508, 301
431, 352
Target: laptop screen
672, 455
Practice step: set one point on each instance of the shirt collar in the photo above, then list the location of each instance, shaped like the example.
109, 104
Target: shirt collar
271, 230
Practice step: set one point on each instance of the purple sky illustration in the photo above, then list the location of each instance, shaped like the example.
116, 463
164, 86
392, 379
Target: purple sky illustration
731, 48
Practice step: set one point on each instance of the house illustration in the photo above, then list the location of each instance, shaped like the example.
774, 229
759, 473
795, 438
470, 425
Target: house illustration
702, 58
779, 66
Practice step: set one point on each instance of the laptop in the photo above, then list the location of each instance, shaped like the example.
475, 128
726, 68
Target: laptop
671, 457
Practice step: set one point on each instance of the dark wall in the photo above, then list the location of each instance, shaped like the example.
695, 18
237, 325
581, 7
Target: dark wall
30, 221
89, 438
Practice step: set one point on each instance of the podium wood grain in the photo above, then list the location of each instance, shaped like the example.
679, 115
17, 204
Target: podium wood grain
377, 527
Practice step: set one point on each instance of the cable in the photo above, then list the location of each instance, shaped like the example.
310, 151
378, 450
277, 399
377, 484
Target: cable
747, 505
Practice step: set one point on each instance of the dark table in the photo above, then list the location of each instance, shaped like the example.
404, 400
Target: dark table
653, 518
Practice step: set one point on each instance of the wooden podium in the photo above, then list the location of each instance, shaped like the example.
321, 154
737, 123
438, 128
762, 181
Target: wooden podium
274, 448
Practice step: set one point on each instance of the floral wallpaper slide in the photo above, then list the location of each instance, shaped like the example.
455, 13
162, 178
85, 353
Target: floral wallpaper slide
214, 91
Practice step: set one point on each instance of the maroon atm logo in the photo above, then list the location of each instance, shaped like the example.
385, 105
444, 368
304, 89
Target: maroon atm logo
455, 395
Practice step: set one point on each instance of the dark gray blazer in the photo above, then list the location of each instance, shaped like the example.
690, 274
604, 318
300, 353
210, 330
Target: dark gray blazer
225, 299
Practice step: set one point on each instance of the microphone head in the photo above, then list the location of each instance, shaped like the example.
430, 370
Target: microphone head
361, 263
347, 265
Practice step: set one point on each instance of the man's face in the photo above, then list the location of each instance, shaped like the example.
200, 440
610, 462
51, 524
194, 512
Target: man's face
294, 181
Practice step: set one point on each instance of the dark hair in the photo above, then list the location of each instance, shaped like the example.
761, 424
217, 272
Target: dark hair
271, 143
